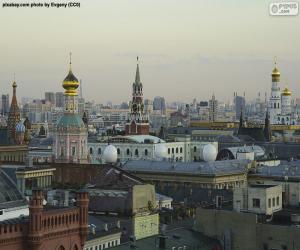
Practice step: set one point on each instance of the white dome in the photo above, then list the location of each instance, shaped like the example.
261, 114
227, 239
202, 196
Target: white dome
110, 154
209, 152
160, 151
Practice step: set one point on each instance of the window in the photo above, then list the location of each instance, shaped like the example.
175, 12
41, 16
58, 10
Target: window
169, 151
265, 246
146, 151
273, 202
127, 151
118, 150
91, 151
256, 203
172, 150
99, 151
136, 152
176, 150
73, 151
195, 149
269, 203
180, 149
284, 247
277, 200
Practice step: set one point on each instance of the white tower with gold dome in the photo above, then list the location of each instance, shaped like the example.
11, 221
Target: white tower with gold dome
275, 98
286, 100
70, 132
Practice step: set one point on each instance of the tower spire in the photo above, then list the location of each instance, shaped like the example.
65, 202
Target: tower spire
70, 54
137, 74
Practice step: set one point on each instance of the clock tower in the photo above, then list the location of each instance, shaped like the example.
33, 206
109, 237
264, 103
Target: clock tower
137, 122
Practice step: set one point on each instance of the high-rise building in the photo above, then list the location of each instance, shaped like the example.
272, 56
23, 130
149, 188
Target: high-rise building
138, 121
59, 99
159, 104
239, 106
50, 97
4, 104
70, 132
213, 109
148, 106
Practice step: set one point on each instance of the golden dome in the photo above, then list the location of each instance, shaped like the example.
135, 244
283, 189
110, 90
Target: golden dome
275, 72
70, 83
286, 92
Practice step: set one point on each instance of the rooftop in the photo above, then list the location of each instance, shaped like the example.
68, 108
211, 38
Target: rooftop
190, 168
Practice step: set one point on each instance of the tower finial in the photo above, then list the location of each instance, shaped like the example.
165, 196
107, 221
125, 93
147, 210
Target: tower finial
137, 59
70, 60
275, 61
137, 74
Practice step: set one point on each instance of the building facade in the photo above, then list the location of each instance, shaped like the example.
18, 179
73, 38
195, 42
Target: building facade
70, 132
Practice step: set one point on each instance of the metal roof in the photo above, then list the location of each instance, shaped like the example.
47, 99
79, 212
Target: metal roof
190, 168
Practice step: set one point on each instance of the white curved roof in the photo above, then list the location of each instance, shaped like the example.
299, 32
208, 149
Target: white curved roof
143, 138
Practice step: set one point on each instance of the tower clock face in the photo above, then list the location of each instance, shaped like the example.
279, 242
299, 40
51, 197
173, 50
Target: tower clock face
134, 107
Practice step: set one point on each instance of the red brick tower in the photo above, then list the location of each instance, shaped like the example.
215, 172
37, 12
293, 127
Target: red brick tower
138, 122
35, 234
82, 201
13, 116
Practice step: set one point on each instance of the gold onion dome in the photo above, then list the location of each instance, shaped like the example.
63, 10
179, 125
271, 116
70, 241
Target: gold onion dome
286, 92
275, 72
70, 83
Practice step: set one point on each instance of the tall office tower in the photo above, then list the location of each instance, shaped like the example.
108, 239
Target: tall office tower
50, 97
239, 106
213, 109
4, 104
159, 104
59, 99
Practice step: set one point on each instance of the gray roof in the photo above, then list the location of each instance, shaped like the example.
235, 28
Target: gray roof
189, 168
10, 196
290, 169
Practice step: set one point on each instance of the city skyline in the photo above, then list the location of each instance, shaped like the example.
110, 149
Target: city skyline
193, 56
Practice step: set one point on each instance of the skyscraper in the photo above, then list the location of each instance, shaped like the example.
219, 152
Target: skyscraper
159, 104
4, 104
59, 99
213, 109
239, 106
50, 97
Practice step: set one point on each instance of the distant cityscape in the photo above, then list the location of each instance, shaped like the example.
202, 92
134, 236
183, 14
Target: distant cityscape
148, 174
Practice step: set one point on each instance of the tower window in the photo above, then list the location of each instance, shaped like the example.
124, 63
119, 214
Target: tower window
73, 151
146, 151
128, 151
118, 150
91, 151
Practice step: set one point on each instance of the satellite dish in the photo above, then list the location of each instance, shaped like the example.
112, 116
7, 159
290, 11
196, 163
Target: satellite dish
209, 152
160, 151
110, 154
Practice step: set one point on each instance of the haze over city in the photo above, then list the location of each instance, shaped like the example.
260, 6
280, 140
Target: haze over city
187, 49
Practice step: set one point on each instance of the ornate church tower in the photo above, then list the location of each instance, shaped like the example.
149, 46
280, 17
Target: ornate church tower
13, 116
275, 98
71, 132
138, 122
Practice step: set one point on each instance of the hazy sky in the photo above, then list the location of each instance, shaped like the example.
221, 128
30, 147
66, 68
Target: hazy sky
187, 48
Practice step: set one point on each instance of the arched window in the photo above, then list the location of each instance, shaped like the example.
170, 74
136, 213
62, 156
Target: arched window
99, 151
136, 152
127, 151
146, 151
195, 149
275, 105
172, 150
91, 151
119, 151
61, 248
169, 151
176, 150
180, 149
